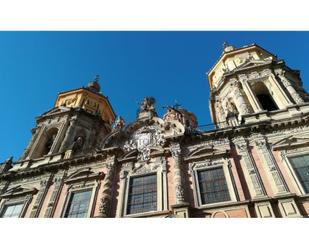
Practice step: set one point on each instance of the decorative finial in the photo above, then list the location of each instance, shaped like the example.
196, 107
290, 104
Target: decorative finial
97, 78
225, 45
94, 84
9, 160
176, 105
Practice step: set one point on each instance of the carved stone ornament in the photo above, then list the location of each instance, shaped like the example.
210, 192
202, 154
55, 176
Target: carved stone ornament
289, 86
179, 192
78, 144
119, 123
143, 139
148, 104
104, 206
206, 163
176, 151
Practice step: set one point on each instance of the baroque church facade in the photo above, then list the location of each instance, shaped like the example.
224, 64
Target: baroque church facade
82, 161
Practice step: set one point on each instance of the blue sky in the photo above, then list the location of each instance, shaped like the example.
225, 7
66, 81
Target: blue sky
36, 66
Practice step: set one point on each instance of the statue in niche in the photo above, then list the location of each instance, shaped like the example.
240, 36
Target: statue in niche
231, 108
78, 144
220, 110
232, 113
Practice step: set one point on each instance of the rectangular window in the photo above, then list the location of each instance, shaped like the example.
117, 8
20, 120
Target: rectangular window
12, 211
142, 196
78, 204
213, 186
300, 165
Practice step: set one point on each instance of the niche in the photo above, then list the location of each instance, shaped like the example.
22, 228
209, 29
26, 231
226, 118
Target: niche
264, 97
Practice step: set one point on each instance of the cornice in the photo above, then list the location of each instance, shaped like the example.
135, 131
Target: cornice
63, 164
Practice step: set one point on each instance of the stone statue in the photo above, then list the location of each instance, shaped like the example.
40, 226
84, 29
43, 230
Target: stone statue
231, 108
232, 114
7, 165
148, 104
147, 108
220, 111
119, 123
78, 144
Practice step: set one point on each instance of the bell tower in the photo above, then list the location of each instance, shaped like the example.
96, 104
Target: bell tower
78, 120
250, 84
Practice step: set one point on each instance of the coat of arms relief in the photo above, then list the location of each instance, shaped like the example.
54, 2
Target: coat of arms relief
143, 140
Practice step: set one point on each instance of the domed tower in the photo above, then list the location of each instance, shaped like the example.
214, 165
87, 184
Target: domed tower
78, 120
250, 84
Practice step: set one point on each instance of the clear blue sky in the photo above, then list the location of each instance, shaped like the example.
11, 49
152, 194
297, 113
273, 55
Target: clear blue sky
35, 66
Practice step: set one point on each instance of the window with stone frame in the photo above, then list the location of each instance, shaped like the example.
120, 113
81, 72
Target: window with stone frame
142, 194
213, 186
300, 166
78, 204
12, 210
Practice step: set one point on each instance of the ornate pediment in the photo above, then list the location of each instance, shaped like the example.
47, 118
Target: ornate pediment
129, 155
56, 110
205, 152
83, 175
18, 191
291, 141
251, 63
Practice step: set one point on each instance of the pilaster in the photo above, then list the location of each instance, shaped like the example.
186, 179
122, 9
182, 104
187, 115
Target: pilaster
105, 201
273, 172
178, 179
254, 181
45, 184
58, 183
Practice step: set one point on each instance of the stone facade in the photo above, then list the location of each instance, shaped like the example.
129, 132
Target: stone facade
83, 162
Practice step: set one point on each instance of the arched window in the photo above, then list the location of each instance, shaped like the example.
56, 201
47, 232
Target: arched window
264, 97
49, 141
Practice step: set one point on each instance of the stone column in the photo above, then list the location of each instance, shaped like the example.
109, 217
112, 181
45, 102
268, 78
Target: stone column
288, 85
178, 180
68, 135
255, 183
251, 96
274, 173
239, 99
105, 201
